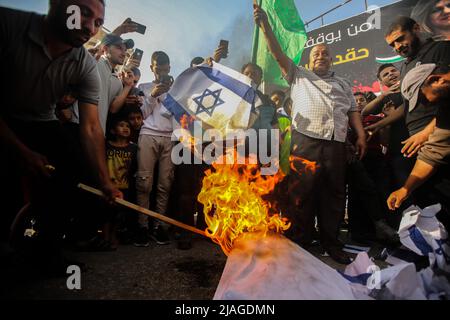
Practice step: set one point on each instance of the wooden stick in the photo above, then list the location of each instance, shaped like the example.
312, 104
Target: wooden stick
144, 211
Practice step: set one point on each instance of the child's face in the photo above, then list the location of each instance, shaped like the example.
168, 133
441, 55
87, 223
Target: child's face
361, 102
122, 129
253, 73
135, 120
160, 69
277, 99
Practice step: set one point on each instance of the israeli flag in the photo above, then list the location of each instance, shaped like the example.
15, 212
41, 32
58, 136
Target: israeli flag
422, 233
219, 97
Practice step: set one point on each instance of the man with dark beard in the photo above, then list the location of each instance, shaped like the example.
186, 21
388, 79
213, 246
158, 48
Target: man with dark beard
44, 54
404, 36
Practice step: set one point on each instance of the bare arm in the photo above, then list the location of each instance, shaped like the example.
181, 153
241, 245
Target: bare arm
374, 107
261, 20
393, 117
126, 27
422, 172
93, 143
119, 101
355, 121
415, 142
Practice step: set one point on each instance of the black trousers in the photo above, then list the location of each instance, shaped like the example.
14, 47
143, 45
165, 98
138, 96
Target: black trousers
320, 193
51, 197
365, 203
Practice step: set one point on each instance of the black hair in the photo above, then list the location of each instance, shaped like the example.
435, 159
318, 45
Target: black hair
280, 93
197, 61
442, 69
251, 64
359, 93
115, 119
103, 2
136, 71
402, 23
160, 58
131, 109
382, 67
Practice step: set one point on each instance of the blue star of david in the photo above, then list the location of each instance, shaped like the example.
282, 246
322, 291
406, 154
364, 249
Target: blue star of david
208, 110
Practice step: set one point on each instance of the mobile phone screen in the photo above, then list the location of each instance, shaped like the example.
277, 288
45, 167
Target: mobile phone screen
141, 28
137, 54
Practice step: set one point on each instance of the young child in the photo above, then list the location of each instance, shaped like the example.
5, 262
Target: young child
135, 118
121, 163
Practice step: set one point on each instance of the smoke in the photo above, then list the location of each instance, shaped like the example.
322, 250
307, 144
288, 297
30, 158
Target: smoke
240, 35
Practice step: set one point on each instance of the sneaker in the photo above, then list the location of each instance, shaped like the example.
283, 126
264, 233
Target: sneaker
141, 238
160, 236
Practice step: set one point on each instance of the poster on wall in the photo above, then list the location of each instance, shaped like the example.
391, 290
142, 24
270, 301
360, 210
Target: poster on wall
358, 46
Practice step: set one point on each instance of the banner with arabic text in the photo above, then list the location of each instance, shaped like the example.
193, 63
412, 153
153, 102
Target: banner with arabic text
358, 46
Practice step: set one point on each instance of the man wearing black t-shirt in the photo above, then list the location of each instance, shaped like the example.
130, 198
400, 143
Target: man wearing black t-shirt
391, 104
404, 37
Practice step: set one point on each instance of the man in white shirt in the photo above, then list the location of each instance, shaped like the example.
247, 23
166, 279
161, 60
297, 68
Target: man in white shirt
155, 146
323, 106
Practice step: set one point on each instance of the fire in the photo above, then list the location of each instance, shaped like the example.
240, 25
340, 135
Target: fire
308, 165
187, 139
233, 204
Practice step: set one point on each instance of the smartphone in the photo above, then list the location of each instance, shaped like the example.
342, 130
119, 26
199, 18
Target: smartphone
137, 55
225, 44
140, 28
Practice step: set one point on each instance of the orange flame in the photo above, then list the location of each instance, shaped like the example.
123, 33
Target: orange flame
186, 120
307, 165
233, 204
188, 140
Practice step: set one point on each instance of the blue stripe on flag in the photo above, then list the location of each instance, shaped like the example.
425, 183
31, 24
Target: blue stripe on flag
360, 278
174, 107
419, 241
241, 89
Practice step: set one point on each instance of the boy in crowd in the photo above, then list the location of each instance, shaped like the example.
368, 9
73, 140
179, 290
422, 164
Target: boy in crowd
136, 120
278, 98
367, 186
390, 103
121, 163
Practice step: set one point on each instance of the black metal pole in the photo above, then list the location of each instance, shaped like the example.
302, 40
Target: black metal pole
256, 39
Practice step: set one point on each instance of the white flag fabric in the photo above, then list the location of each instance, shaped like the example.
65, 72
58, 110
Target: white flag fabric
421, 232
219, 97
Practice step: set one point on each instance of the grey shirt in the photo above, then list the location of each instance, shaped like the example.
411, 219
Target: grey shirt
320, 105
111, 87
436, 151
36, 81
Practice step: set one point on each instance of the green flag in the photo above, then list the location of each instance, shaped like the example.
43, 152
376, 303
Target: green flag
290, 31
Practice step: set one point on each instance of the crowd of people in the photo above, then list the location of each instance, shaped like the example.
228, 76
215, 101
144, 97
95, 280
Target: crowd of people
82, 116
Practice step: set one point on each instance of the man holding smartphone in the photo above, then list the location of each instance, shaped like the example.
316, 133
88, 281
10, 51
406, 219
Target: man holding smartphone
155, 146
